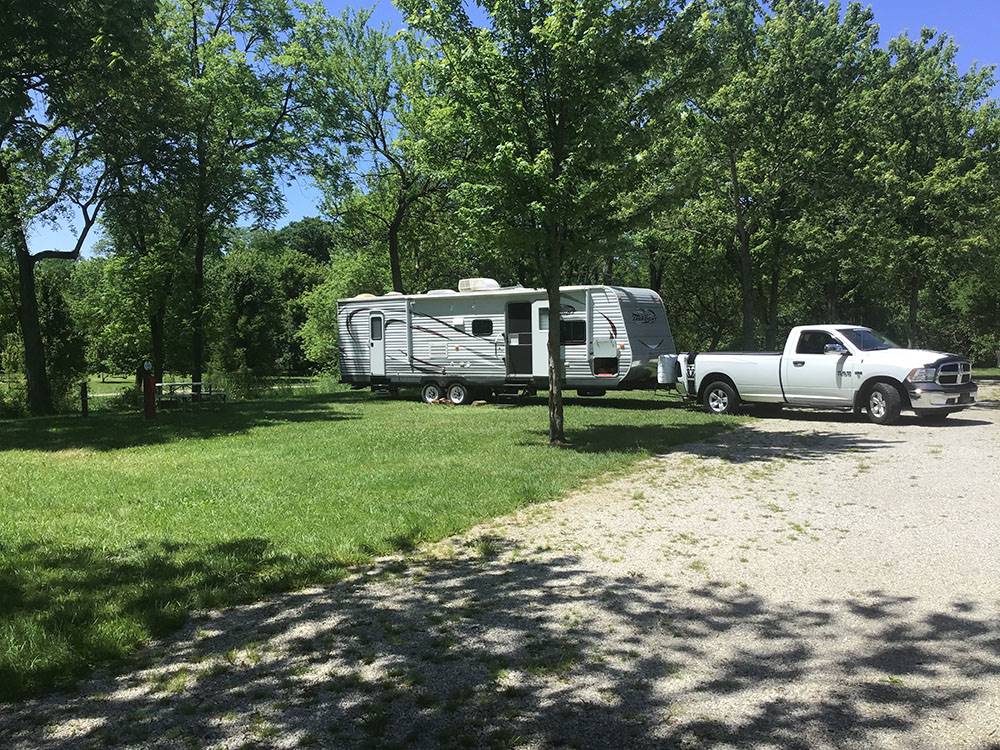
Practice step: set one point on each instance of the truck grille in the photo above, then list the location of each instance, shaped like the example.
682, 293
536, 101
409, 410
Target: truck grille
953, 373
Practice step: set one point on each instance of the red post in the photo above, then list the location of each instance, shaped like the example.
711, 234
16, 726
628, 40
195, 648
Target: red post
148, 392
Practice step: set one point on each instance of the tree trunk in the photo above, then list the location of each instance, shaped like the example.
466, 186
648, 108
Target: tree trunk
655, 275
771, 335
748, 337
556, 424
198, 338
35, 376
912, 336
156, 319
393, 237
557, 434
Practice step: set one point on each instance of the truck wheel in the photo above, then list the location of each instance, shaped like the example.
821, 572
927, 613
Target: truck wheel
884, 404
430, 393
720, 398
459, 394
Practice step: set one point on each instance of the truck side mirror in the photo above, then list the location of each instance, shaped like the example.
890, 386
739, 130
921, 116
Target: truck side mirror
835, 349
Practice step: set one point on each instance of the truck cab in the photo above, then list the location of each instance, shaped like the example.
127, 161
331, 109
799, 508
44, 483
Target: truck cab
832, 366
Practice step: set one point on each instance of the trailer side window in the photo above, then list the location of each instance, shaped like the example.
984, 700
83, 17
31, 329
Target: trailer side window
482, 327
573, 332
376, 328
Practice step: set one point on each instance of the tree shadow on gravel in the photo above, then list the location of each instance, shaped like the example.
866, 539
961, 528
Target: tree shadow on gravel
66, 609
490, 648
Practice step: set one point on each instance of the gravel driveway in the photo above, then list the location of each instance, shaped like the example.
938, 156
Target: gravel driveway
811, 581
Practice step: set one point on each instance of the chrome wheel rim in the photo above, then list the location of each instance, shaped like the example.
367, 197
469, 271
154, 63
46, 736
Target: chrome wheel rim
718, 400
431, 393
876, 405
457, 394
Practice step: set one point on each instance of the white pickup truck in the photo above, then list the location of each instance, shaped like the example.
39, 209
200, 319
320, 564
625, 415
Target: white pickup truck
831, 366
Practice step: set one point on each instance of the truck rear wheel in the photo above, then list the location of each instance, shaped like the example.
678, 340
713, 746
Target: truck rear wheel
720, 398
884, 404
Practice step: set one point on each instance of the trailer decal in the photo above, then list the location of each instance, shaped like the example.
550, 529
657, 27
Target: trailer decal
350, 319
428, 330
614, 328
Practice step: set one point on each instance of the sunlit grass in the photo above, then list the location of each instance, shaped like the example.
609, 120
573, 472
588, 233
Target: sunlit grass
113, 530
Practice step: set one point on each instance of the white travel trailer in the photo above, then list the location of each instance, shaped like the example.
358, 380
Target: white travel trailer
485, 339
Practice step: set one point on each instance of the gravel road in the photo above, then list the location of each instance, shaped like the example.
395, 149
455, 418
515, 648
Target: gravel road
810, 581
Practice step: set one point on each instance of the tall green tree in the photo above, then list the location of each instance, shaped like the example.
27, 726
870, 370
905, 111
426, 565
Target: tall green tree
244, 64
65, 66
375, 102
932, 171
549, 97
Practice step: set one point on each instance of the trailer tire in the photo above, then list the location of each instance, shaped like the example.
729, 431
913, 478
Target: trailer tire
431, 392
458, 393
884, 404
720, 398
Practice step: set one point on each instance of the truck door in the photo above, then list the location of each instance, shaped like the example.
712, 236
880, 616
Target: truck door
376, 342
812, 375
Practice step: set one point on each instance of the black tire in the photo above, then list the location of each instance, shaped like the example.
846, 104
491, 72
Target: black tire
720, 398
458, 393
884, 404
431, 392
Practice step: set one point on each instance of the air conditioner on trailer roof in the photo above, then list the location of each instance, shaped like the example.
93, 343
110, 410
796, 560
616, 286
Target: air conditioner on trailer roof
477, 285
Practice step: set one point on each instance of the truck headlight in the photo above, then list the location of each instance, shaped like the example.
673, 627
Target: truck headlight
922, 375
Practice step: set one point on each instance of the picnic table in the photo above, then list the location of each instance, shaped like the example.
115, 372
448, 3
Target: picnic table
178, 393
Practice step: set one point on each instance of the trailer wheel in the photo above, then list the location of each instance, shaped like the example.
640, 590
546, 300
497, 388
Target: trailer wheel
459, 393
430, 393
720, 398
884, 404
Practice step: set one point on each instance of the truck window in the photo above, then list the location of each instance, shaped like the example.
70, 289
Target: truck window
813, 342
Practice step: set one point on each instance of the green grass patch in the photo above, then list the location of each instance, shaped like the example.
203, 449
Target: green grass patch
113, 530
986, 372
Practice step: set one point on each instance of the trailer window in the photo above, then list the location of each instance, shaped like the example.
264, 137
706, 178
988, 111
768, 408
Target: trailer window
376, 328
573, 332
482, 327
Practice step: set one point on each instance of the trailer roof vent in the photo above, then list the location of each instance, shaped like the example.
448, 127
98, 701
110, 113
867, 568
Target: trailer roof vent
442, 291
477, 285
393, 294
364, 295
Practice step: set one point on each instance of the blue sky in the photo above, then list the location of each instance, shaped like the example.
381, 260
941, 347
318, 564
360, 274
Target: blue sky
974, 24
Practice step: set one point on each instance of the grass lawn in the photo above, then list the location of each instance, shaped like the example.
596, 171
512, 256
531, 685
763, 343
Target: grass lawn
113, 530
986, 372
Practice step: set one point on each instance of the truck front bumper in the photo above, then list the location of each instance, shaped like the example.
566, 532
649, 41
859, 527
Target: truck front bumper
933, 397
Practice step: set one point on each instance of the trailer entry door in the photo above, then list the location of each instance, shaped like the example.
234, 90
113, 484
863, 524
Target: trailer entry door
519, 340
376, 340
540, 333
